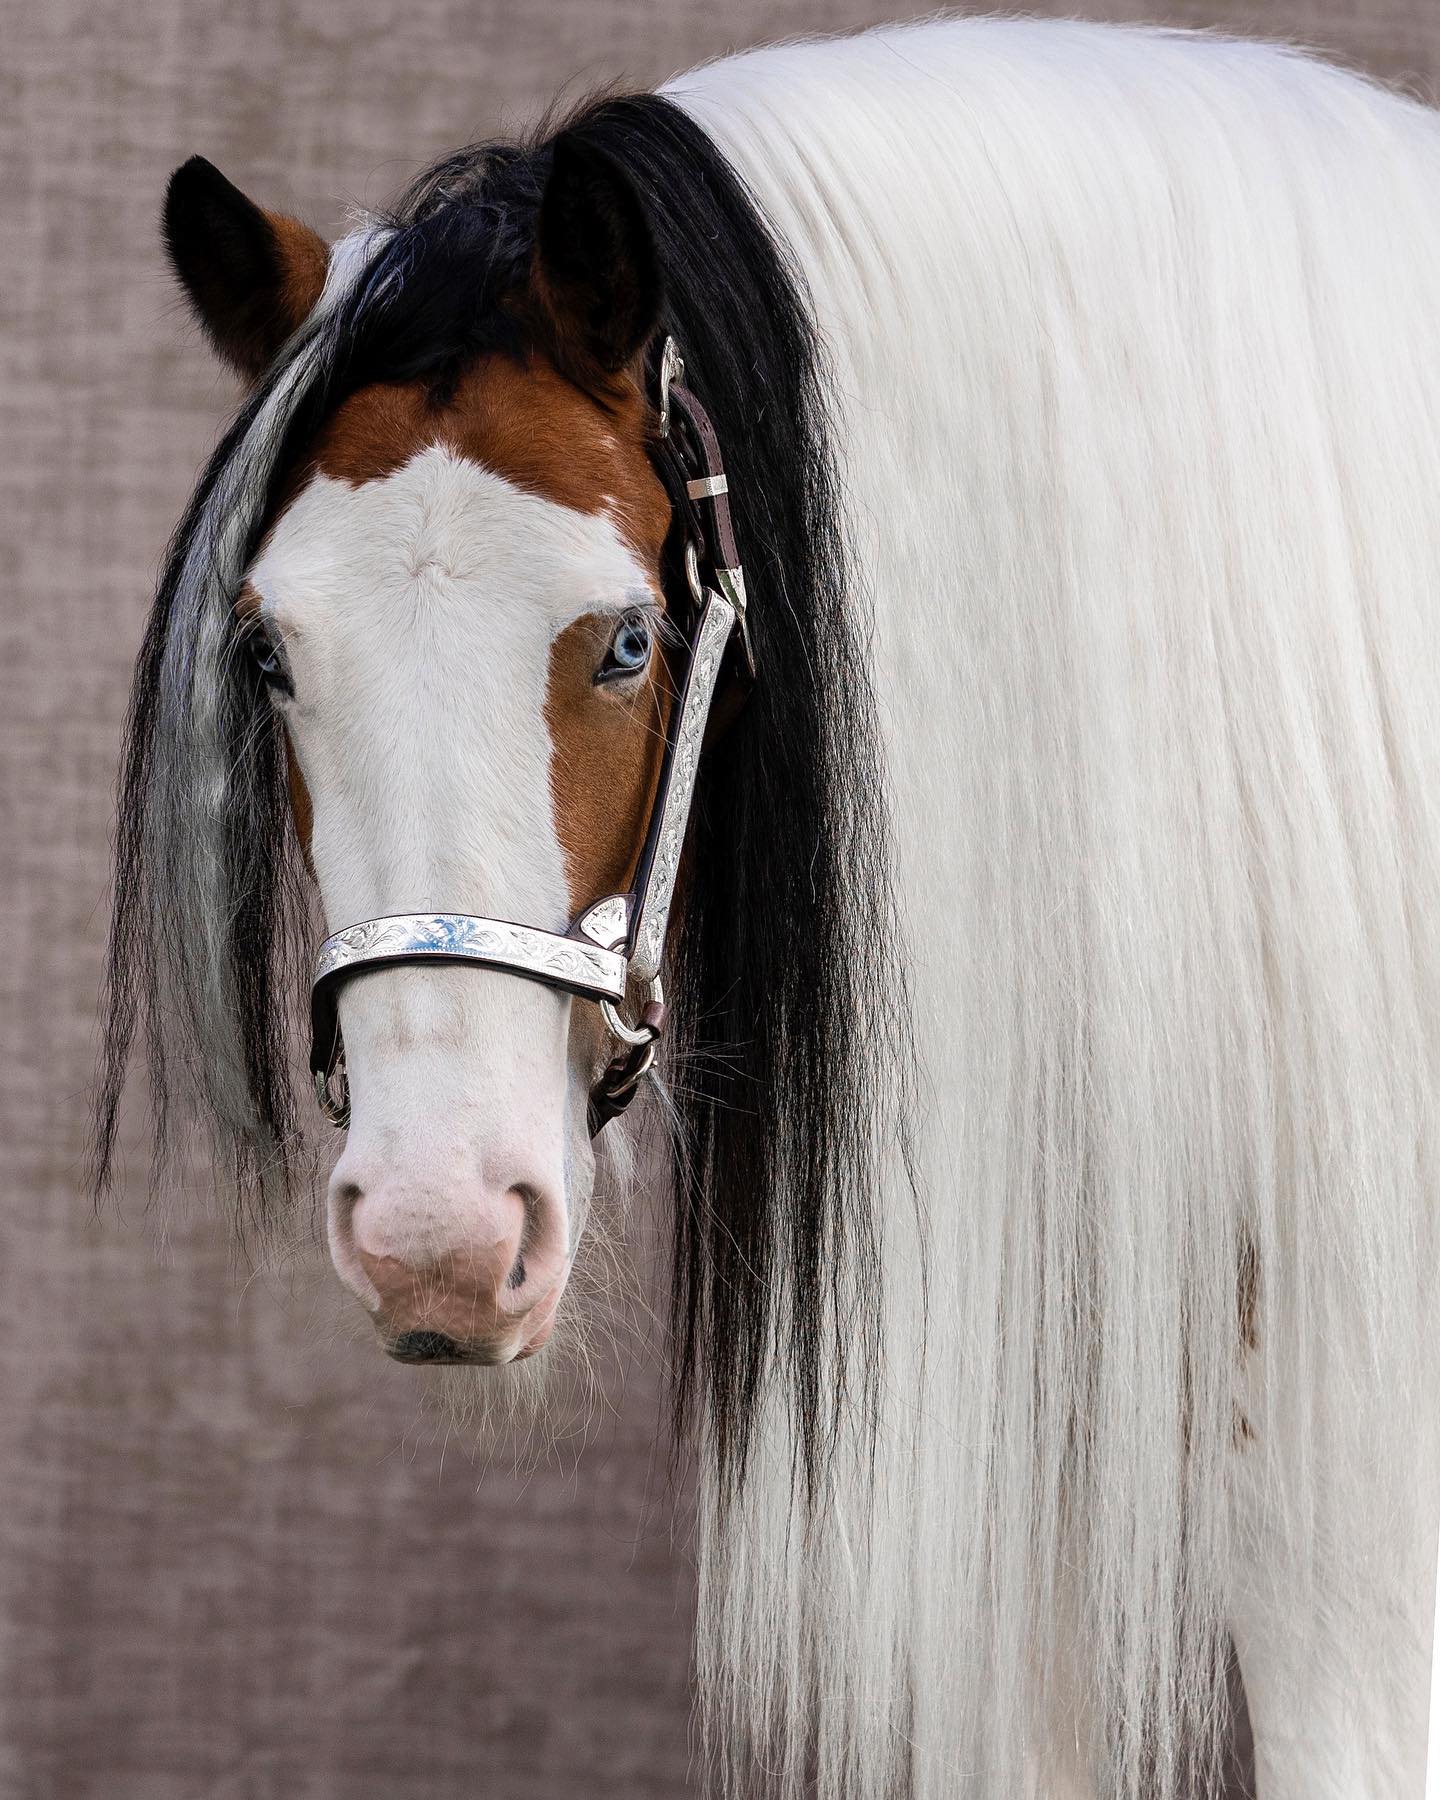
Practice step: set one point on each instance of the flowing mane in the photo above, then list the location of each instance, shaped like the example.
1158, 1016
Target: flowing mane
780, 955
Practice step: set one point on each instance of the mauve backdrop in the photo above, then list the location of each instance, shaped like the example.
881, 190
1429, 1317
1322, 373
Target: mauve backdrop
235, 1564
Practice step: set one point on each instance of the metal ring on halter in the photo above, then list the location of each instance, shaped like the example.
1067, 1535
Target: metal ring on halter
632, 1034
625, 1089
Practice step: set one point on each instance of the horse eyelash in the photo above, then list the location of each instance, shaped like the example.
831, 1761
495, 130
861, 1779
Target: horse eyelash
257, 631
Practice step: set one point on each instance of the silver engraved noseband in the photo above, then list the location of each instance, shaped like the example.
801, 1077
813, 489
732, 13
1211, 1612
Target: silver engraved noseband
620, 940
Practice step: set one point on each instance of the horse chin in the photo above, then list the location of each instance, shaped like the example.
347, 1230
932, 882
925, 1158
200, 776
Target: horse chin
469, 1347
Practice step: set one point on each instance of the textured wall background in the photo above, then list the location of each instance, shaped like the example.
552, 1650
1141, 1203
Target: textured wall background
234, 1563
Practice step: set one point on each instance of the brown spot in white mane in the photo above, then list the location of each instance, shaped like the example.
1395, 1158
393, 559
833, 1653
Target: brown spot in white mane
1247, 1301
1247, 1291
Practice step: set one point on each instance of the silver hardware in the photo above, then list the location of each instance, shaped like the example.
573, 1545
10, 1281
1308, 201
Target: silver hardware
731, 583
708, 487
626, 1089
672, 368
692, 572
732, 586
607, 923
582, 968
716, 625
634, 1035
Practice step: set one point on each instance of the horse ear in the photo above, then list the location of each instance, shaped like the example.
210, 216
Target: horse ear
251, 276
596, 274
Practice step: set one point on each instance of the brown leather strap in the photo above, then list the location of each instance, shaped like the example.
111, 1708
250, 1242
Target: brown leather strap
708, 490
706, 465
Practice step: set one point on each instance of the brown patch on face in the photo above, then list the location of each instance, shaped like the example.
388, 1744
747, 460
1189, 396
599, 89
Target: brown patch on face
372, 434
302, 810
606, 745
524, 421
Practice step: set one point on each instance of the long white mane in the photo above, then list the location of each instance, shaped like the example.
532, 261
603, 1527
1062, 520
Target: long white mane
1136, 339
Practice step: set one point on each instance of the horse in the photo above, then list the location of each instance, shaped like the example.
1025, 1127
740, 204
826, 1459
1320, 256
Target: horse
882, 596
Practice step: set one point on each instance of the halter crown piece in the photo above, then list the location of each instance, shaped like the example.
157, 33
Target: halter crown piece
617, 943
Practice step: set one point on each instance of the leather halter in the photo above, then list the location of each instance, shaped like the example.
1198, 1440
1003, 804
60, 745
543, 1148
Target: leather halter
619, 941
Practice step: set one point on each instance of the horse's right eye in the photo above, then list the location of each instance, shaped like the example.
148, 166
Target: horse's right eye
269, 659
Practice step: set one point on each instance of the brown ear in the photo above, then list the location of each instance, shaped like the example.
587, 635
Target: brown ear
251, 276
596, 274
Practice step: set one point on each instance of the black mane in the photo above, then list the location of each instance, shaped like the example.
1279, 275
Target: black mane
780, 972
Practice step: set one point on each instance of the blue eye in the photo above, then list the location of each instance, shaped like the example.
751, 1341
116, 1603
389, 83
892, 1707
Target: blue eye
629, 651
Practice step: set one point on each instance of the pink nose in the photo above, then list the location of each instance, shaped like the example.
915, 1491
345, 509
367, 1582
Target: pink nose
476, 1279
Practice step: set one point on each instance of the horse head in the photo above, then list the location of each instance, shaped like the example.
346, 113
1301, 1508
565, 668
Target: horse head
457, 609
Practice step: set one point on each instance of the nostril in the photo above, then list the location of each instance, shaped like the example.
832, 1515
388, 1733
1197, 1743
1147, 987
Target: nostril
426, 1347
530, 1200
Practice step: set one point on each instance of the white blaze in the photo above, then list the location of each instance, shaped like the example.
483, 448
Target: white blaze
417, 614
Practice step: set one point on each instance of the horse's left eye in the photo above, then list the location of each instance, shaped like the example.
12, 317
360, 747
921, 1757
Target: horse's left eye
629, 651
